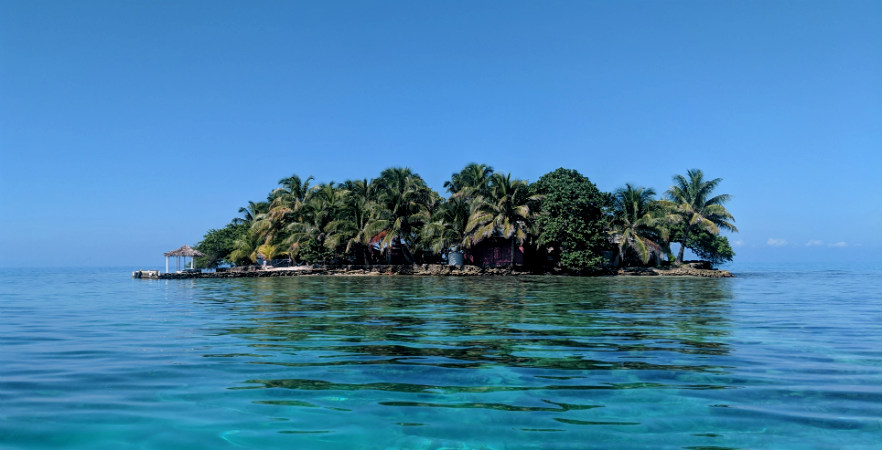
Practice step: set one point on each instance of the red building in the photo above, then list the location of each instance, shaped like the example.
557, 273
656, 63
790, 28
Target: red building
384, 253
494, 252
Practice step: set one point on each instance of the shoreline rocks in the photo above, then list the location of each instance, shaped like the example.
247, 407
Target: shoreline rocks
674, 272
422, 270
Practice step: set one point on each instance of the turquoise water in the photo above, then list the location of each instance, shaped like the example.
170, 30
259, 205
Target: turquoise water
777, 358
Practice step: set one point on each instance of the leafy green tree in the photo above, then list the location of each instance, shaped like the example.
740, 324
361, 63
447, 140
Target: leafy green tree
707, 246
691, 198
505, 212
635, 222
217, 245
326, 222
572, 219
314, 252
712, 248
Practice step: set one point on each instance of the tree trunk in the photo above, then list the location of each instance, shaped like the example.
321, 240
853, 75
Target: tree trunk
405, 250
685, 237
512, 252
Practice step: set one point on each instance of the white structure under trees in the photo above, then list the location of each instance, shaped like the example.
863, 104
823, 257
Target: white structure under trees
183, 252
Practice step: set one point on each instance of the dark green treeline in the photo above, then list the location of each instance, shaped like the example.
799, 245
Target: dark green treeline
562, 221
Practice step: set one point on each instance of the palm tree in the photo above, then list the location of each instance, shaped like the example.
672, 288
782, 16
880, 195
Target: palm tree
354, 217
448, 227
504, 213
284, 204
291, 193
316, 213
473, 180
635, 221
250, 212
402, 206
418, 245
245, 248
690, 198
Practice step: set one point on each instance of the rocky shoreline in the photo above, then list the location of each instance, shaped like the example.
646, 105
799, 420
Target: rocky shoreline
682, 271
689, 270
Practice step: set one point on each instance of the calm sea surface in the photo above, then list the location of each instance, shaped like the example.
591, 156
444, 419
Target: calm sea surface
777, 358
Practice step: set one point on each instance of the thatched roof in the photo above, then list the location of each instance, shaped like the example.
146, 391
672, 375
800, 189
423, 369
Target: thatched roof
185, 250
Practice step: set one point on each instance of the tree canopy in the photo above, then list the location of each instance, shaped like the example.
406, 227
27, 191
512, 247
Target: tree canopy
691, 198
572, 219
636, 221
562, 220
217, 245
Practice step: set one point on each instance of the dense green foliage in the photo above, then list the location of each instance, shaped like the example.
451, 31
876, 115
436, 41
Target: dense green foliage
403, 205
218, 244
710, 247
503, 213
313, 252
562, 221
572, 219
638, 223
691, 198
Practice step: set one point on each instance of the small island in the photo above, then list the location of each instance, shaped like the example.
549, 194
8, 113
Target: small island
489, 224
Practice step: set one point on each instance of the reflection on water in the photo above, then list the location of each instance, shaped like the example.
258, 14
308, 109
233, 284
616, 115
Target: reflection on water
518, 355
553, 326
765, 360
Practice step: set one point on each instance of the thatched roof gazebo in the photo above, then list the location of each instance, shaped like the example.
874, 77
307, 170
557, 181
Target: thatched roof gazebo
184, 251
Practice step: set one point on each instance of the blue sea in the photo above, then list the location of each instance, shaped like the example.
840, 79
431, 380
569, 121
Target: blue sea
780, 357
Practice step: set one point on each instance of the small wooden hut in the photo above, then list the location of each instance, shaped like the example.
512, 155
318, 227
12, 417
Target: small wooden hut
495, 252
183, 252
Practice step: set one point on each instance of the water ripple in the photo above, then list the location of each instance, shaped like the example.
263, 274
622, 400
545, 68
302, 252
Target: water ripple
777, 359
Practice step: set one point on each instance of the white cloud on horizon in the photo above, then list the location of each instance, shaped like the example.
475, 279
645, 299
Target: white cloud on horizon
814, 243
776, 242
738, 243
838, 244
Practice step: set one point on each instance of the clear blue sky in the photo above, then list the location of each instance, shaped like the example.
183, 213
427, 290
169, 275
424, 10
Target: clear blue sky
130, 128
